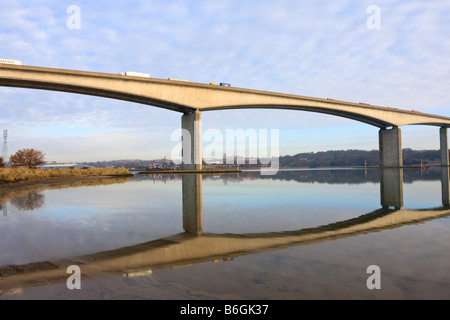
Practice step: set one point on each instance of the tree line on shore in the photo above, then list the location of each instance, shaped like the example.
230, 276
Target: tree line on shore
32, 158
29, 158
354, 158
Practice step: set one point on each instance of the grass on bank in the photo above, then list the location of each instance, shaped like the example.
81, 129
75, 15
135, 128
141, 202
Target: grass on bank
8, 174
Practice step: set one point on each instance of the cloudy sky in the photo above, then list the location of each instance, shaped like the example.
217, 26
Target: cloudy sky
388, 53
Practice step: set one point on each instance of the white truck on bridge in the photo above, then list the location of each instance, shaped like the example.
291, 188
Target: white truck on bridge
135, 74
8, 61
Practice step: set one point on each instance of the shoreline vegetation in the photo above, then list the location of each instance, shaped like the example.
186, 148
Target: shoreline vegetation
18, 176
12, 177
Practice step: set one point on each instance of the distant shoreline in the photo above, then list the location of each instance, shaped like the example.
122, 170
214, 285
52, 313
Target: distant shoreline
37, 181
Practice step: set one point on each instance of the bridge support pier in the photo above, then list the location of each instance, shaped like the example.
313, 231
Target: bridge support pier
390, 142
191, 123
444, 146
444, 166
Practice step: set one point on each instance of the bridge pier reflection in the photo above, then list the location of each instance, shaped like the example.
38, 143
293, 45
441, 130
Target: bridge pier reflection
192, 203
445, 186
391, 195
391, 188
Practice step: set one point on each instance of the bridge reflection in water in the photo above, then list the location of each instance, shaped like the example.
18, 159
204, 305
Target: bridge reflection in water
194, 246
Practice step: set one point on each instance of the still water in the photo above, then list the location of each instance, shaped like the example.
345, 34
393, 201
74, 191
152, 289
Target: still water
300, 234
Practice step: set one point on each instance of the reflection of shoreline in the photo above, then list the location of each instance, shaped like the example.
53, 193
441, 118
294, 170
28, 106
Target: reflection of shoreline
309, 175
8, 191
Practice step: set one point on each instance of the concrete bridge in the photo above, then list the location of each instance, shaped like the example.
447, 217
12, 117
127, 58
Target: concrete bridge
191, 99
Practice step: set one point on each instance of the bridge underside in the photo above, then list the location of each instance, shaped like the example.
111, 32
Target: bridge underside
129, 97
301, 107
169, 105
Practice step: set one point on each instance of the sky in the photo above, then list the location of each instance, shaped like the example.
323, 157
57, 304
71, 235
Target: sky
386, 53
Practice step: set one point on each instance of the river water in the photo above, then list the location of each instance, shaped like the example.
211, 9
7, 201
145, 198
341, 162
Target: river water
299, 234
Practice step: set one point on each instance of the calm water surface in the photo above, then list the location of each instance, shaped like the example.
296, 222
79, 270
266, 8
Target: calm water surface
301, 234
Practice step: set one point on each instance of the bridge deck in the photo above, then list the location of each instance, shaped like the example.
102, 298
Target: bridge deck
182, 96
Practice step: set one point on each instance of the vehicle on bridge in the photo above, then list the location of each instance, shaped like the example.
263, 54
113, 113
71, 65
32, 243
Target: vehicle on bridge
8, 61
135, 74
175, 79
223, 84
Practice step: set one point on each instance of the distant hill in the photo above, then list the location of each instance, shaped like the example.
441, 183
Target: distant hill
335, 158
346, 158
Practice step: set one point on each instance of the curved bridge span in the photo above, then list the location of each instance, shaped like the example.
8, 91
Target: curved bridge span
182, 96
193, 98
